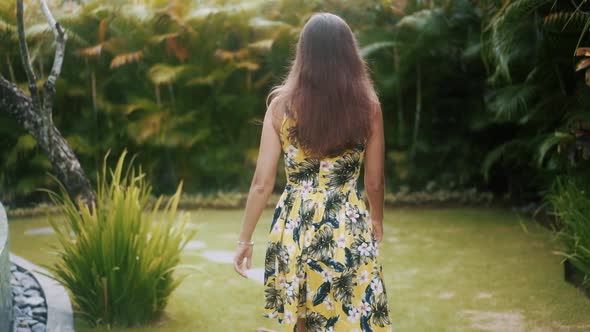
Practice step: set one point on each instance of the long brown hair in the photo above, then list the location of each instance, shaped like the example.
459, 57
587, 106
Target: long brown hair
328, 87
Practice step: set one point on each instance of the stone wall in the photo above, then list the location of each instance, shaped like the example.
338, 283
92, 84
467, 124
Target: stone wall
5, 290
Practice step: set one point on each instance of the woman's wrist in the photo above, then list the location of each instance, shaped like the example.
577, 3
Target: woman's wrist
245, 235
245, 239
376, 220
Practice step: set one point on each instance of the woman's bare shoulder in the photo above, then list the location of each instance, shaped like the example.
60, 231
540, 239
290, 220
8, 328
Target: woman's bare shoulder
276, 109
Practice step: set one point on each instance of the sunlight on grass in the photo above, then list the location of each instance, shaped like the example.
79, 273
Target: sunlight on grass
445, 270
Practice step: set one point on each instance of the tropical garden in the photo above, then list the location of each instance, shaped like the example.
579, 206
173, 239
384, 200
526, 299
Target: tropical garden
486, 108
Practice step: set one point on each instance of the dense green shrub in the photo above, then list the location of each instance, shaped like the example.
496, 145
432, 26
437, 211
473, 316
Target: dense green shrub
571, 201
538, 104
118, 260
429, 72
475, 94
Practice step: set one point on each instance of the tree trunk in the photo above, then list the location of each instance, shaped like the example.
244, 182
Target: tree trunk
64, 161
418, 113
399, 99
35, 113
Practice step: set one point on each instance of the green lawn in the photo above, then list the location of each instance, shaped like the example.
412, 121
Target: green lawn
445, 270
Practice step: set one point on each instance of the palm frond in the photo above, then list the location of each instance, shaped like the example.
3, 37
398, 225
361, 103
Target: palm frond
7, 26
503, 151
369, 49
512, 100
566, 21
203, 12
264, 23
126, 58
165, 74
550, 142
504, 40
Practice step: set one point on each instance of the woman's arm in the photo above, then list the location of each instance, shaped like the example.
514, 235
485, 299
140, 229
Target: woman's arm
374, 178
262, 185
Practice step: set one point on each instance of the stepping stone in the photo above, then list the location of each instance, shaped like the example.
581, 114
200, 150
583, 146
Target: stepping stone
393, 239
219, 256
230, 236
194, 245
483, 295
496, 320
40, 231
256, 274
446, 295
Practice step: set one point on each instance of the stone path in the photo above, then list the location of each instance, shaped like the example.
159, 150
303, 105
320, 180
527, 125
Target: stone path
219, 256
256, 274
194, 245
40, 231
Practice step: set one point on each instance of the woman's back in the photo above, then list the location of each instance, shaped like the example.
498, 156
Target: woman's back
335, 173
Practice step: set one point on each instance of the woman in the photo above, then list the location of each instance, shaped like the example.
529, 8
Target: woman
321, 269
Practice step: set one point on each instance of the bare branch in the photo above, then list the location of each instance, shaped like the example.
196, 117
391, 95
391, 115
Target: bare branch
52, 23
24, 52
60, 48
60, 40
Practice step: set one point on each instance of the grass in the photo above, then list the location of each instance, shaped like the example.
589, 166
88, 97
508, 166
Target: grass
445, 270
571, 201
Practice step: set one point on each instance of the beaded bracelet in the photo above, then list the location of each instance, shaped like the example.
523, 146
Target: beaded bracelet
251, 243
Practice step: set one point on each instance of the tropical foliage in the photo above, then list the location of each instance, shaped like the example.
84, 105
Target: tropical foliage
118, 260
535, 95
475, 94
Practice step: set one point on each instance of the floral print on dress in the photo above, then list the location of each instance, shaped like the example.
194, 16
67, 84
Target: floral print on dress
321, 260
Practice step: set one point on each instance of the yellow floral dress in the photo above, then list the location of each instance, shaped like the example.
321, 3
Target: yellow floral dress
321, 259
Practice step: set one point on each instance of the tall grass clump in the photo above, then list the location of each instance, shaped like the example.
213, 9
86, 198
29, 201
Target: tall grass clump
571, 203
118, 259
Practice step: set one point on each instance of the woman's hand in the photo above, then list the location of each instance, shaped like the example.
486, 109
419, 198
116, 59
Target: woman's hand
377, 229
243, 252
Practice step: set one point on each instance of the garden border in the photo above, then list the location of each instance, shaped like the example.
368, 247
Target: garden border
5, 288
60, 317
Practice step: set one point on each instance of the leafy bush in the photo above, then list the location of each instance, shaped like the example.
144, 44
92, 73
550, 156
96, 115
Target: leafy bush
118, 259
571, 201
438, 197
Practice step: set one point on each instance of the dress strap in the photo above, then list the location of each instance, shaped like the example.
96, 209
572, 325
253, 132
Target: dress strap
283, 122
286, 118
